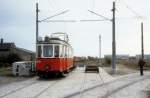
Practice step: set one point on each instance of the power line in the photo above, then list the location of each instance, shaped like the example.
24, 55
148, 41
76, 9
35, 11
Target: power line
50, 4
92, 20
127, 18
130, 8
93, 4
54, 16
74, 20
100, 15
61, 21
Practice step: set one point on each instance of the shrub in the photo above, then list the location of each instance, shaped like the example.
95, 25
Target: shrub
12, 57
9, 59
107, 61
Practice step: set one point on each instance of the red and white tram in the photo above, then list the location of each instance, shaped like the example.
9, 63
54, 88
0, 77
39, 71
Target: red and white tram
54, 55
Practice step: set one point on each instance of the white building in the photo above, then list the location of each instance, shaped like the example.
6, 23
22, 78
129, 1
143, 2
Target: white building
23, 68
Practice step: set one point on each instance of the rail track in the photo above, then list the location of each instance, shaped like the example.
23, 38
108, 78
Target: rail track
100, 80
111, 92
31, 84
38, 87
50, 86
126, 80
82, 86
13, 91
86, 86
84, 83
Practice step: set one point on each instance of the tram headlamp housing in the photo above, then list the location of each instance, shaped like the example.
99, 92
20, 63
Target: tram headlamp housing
47, 67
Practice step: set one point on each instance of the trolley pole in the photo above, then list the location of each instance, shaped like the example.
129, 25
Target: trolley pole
37, 22
113, 41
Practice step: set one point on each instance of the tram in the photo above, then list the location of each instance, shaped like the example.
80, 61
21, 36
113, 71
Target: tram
54, 55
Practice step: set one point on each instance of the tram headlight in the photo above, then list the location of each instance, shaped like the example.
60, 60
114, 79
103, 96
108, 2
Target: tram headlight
47, 67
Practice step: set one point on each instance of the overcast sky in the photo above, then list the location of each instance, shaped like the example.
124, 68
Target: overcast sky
17, 24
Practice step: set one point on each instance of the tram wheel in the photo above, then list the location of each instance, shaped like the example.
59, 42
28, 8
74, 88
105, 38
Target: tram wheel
63, 74
41, 76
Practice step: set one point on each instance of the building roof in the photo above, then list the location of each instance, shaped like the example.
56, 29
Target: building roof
8, 46
25, 50
4, 46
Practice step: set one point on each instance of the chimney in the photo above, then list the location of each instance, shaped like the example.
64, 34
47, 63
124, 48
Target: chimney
1, 40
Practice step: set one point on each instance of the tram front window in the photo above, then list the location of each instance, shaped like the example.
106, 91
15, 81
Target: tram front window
47, 51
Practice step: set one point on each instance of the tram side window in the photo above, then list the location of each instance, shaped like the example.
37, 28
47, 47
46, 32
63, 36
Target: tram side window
61, 51
39, 51
56, 51
69, 52
48, 51
65, 51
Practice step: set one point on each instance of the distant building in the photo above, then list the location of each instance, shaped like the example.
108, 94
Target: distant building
123, 57
8, 48
146, 57
108, 56
77, 59
118, 57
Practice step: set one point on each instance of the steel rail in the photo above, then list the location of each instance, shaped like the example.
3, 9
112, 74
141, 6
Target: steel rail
13, 91
109, 83
82, 85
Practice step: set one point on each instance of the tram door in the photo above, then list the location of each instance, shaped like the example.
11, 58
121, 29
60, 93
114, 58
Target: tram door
62, 57
65, 59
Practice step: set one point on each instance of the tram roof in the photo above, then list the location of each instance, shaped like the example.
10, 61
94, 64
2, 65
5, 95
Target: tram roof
53, 41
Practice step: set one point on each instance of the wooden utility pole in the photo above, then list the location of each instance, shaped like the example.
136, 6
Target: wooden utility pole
142, 42
141, 60
100, 49
113, 41
37, 22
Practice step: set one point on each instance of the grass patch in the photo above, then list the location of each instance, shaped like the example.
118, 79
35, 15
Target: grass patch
5, 71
